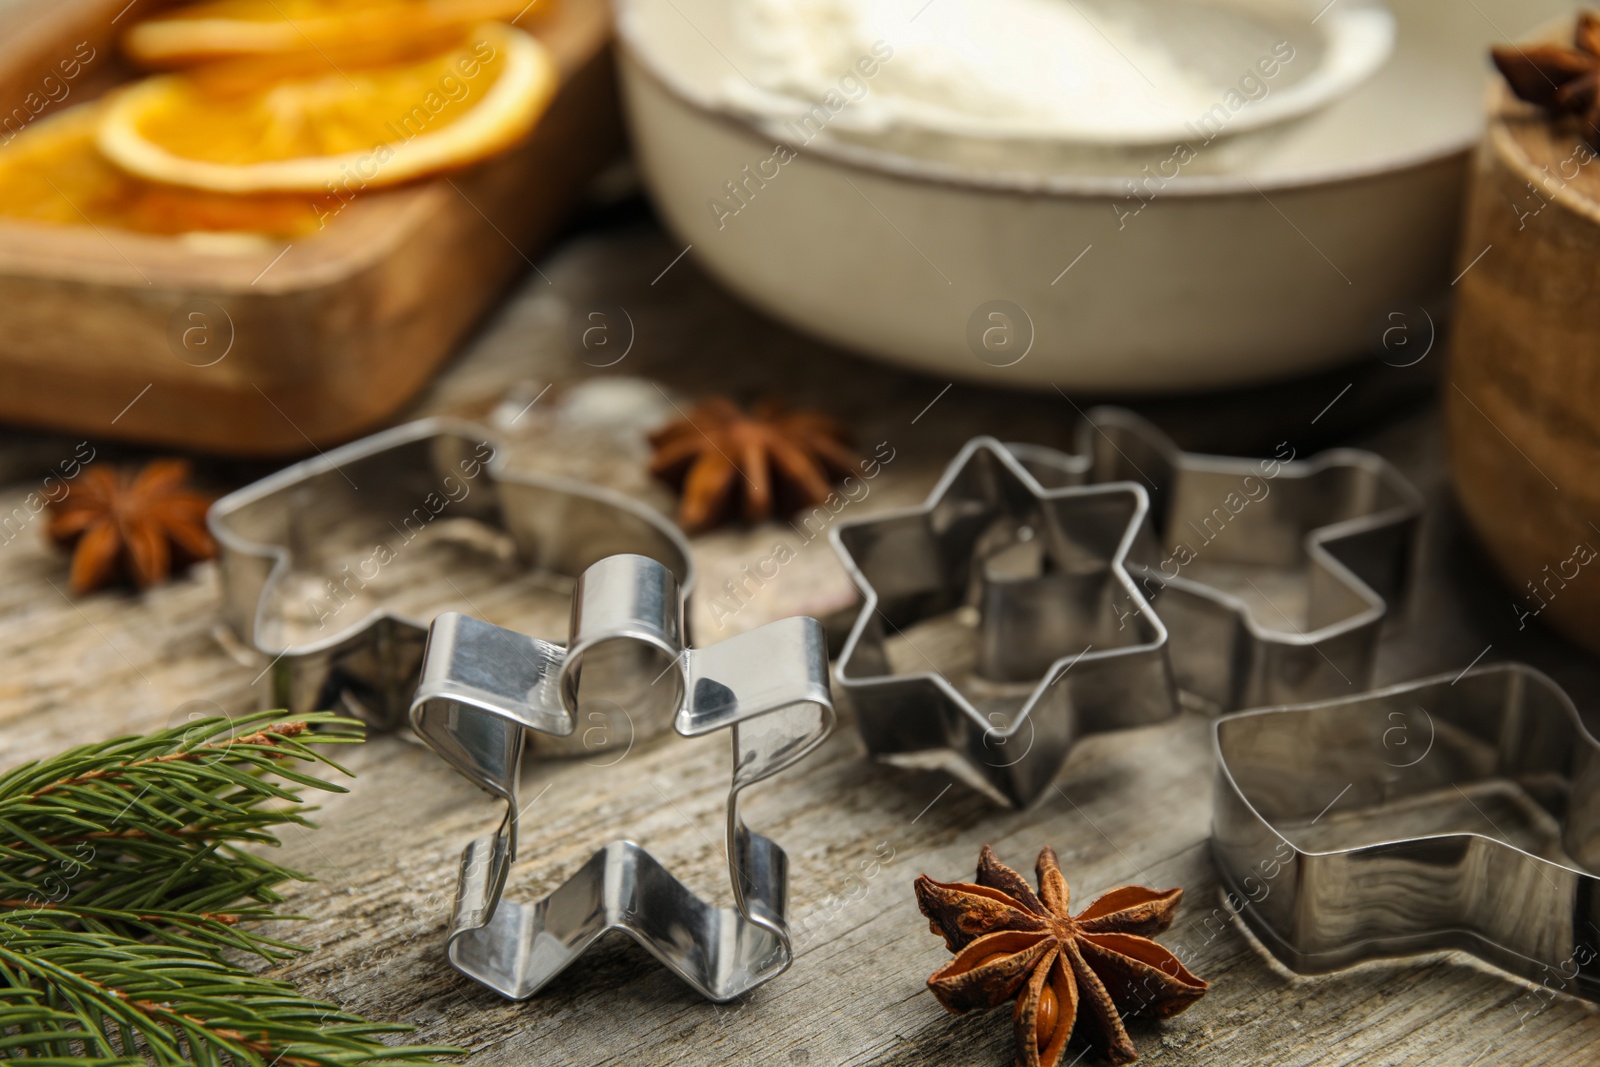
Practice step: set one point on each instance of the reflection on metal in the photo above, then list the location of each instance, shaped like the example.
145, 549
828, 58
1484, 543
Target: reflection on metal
1345, 519
483, 688
1061, 562
1338, 845
1064, 643
407, 478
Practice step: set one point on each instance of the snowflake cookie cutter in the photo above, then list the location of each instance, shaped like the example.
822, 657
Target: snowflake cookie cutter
411, 476
1061, 642
1454, 812
484, 688
1347, 516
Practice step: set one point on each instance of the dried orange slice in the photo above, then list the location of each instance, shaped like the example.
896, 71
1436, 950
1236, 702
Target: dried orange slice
222, 29
52, 173
343, 130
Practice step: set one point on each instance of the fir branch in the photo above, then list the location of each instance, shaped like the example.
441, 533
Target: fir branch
178, 1006
127, 870
155, 823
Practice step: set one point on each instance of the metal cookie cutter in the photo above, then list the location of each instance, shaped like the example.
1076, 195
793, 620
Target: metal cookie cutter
1345, 517
1447, 813
483, 688
409, 480
1045, 636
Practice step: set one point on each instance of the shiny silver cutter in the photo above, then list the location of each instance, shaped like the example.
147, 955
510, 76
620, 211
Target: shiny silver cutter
1454, 812
412, 475
484, 688
1346, 515
1060, 624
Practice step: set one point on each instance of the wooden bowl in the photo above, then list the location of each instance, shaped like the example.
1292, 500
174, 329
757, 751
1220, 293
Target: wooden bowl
1522, 396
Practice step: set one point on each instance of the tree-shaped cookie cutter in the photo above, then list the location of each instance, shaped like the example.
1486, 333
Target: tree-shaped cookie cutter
483, 688
1061, 627
1347, 516
413, 476
1455, 812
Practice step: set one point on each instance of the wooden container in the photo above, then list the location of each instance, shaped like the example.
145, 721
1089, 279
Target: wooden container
325, 337
1522, 397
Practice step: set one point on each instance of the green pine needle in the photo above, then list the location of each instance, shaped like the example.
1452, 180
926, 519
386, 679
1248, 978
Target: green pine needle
125, 877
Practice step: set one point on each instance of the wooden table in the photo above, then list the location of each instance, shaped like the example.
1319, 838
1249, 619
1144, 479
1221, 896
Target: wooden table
1128, 808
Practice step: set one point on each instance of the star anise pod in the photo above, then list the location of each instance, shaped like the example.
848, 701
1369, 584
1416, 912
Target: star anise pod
770, 458
131, 524
1066, 971
1562, 80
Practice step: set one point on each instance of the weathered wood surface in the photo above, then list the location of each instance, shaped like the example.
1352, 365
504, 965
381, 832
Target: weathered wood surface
1128, 808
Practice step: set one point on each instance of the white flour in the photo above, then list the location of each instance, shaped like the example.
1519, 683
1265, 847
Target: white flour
976, 67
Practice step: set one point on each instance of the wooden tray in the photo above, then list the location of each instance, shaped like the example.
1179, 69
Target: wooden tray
325, 336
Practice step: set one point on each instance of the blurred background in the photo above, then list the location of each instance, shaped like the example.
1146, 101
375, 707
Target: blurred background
245, 231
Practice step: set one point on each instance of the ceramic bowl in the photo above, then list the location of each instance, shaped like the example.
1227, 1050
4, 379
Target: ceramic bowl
1233, 256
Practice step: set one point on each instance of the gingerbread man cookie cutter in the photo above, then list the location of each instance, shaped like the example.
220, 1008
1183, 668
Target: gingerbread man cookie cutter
484, 689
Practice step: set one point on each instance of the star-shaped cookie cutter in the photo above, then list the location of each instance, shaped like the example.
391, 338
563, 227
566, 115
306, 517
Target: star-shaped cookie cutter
1454, 812
413, 476
1346, 516
1063, 646
484, 688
